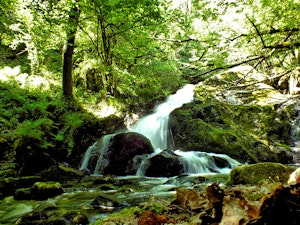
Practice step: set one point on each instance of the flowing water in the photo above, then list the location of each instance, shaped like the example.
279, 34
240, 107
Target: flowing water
155, 128
200, 168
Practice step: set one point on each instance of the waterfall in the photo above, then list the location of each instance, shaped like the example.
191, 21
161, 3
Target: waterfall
155, 126
195, 162
97, 151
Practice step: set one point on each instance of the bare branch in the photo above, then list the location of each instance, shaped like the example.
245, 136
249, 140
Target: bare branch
257, 31
228, 66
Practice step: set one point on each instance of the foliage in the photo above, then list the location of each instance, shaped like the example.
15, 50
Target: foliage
40, 117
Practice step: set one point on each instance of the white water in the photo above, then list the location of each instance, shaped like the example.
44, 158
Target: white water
196, 162
97, 150
155, 128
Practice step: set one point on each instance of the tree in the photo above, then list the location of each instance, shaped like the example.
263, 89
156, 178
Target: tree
67, 83
218, 35
118, 33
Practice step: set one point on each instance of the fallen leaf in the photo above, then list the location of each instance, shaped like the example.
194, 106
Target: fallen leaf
189, 198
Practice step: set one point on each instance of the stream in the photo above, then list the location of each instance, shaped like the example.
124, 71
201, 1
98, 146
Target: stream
199, 170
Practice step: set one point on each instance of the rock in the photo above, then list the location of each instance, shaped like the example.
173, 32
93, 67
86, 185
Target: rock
164, 164
9, 185
23, 194
294, 177
241, 120
61, 173
49, 217
31, 159
106, 203
90, 131
123, 149
77, 218
259, 172
45, 190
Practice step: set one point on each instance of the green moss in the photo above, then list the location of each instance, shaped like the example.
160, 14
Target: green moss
260, 172
125, 216
47, 185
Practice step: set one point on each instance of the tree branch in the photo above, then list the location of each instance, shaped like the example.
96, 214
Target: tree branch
287, 44
257, 31
228, 66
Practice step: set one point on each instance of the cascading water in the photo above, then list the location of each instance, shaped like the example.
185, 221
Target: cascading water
97, 151
195, 162
155, 128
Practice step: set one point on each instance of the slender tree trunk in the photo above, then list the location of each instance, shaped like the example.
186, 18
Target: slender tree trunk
67, 69
67, 83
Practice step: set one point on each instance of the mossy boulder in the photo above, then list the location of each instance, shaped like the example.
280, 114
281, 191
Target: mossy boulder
238, 131
45, 190
241, 116
8, 185
260, 172
61, 173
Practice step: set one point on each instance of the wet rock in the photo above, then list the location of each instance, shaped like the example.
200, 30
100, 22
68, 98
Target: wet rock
77, 218
164, 164
61, 173
106, 203
52, 217
45, 190
90, 131
123, 149
259, 172
250, 122
9, 185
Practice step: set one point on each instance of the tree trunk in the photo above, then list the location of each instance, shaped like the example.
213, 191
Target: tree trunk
67, 83
67, 69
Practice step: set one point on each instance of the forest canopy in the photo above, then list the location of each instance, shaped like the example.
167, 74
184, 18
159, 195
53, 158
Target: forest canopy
138, 49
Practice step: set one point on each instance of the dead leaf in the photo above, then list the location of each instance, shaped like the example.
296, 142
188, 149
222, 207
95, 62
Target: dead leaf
150, 217
234, 212
189, 198
214, 193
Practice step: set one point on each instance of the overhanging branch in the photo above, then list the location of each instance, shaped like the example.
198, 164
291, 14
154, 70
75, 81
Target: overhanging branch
228, 66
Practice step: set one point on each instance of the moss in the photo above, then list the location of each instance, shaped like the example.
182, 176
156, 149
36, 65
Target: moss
256, 173
212, 124
44, 190
47, 185
125, 216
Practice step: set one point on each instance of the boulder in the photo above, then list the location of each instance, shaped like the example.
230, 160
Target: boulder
45, 190
239, 114
259, 172
107, 203
123, 151
53, 217
164, 164
89, 132
61, 173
